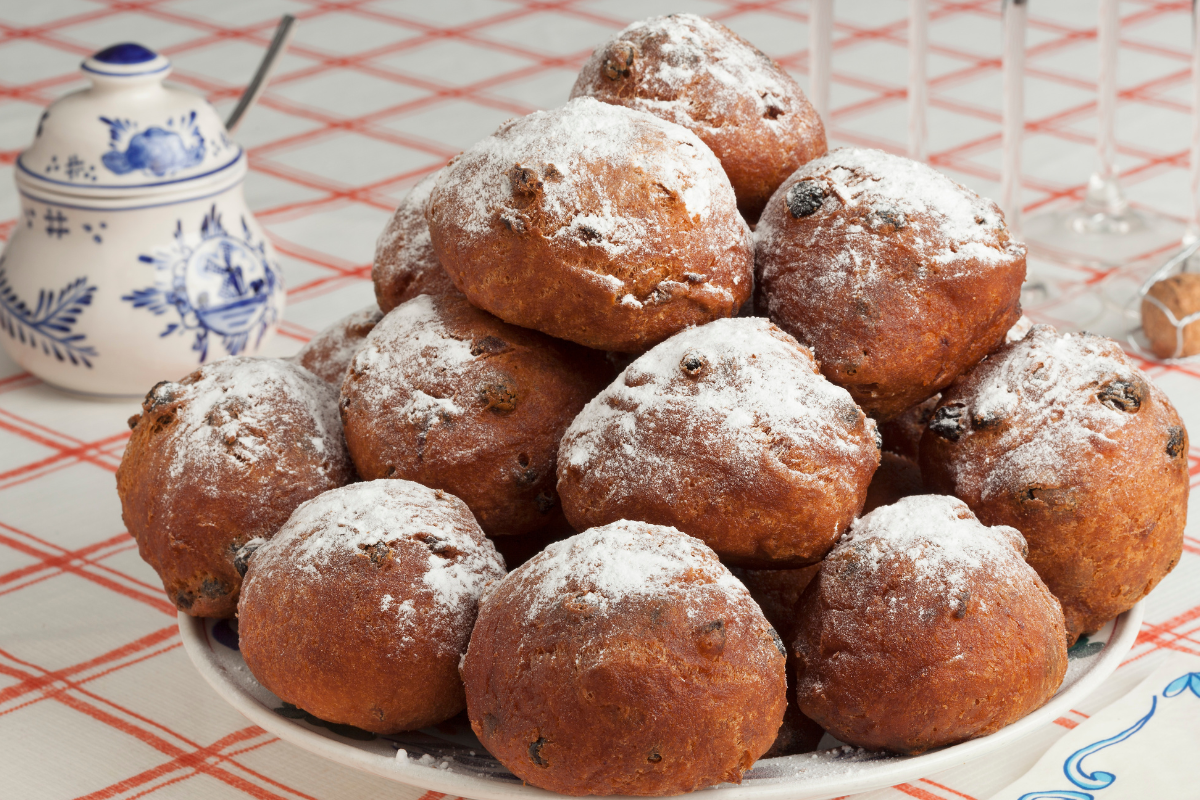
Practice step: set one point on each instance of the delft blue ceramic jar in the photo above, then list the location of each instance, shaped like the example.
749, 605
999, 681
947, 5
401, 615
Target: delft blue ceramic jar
135, 258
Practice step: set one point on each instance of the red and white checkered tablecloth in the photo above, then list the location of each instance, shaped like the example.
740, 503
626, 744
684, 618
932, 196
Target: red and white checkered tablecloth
97, 698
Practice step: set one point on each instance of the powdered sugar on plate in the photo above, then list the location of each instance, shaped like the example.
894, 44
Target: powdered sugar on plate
607, 565
754, 391
1051, 387
942, 543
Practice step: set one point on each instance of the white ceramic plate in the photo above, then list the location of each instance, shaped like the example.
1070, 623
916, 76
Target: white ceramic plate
449, 758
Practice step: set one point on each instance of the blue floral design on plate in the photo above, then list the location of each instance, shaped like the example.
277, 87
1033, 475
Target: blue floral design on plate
156, 150
223, 285
1098, 780
50, 323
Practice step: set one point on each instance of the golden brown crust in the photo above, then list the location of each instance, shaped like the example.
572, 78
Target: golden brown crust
902, 433
593, 223
328, 354
908, 653
451, 397
897, 277
361, 606
776, 591
519, 548
220, 458
729, 433
634, 666
405, 263
896, 478
699, 74
1063, 438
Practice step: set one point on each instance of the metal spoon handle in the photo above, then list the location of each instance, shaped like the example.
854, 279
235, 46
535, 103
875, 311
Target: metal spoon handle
283, 35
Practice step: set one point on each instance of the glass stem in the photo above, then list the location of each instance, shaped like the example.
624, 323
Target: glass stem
918, 83
1013, 114
1193, 231
820, 55
1104, 195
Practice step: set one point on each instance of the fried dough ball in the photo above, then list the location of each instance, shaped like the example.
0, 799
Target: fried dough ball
1063, 438
897, 277
594, 223
222, 457
360, 607
924, 628
897, 477
776, 592
701, 75
451, 397
729, 433
624, 660
405, 263
328, 354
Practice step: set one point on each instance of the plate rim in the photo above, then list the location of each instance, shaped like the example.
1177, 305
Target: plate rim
194, 635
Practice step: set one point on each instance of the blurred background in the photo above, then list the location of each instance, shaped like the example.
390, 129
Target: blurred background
374, 94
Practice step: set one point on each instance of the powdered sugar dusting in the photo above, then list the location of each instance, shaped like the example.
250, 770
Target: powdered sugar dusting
329, 353
456, 561
1049, 385
952, 230
607, 565
586, 130
405, 262
426, 348
1017, 332
229, 411
700, 56
569, 155
943, 545
755, 391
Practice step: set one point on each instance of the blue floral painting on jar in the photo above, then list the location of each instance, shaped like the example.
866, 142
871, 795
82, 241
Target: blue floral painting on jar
159, 151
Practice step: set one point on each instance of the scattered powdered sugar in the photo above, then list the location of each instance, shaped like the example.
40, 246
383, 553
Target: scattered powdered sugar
1048, 386
1017, 332
699, 58
606, 565
408, 227
411, 340
570, 154
404, 246
877, 237
457, 566
946, 547
236, 410
329, 353
948, 225
754, 389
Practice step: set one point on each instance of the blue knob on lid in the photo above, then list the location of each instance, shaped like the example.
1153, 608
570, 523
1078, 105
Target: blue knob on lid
126, 61
125, 53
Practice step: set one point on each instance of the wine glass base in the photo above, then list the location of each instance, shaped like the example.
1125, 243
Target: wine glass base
1083, 237
1059, 294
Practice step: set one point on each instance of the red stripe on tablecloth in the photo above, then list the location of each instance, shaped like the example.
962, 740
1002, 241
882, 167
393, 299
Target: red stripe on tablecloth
154, 601
915, 791
947, 789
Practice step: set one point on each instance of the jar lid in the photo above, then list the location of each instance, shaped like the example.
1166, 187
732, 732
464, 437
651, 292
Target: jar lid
127, 133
